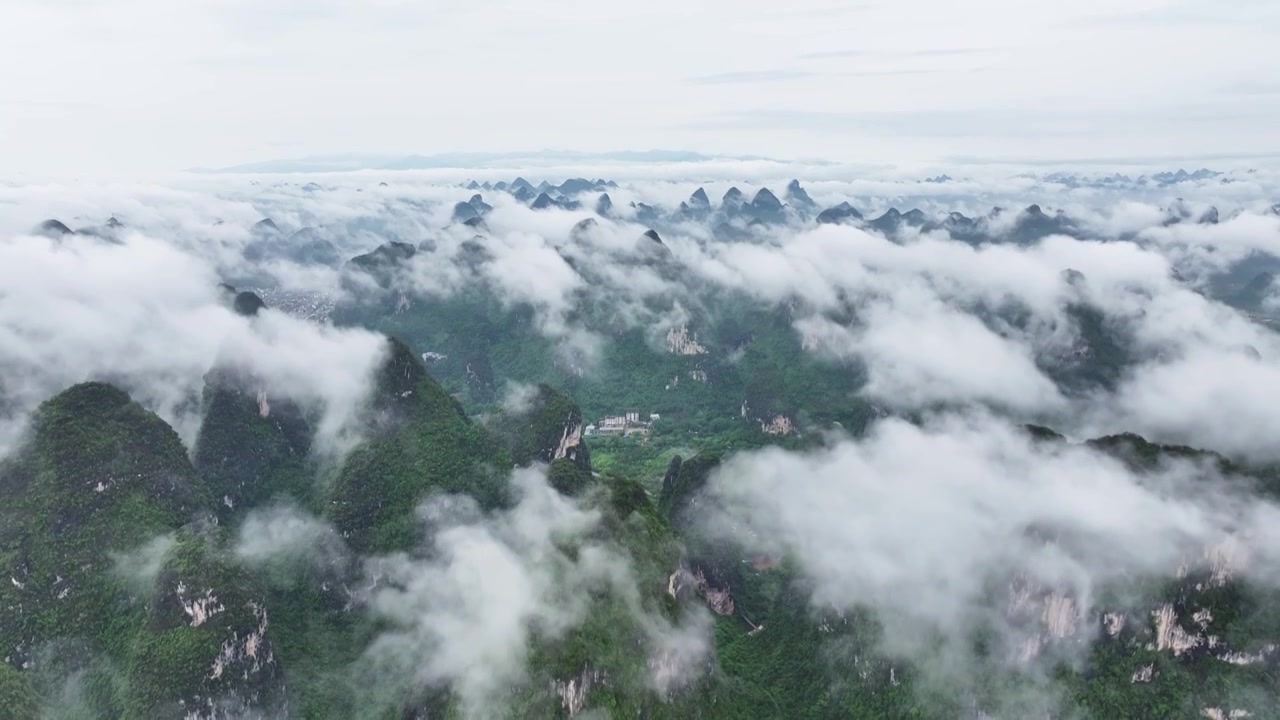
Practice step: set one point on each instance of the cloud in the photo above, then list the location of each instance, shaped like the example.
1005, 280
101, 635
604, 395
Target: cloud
148, 315
1218, 399
1002, 310
287, 536
463, 615
940, 527
923, 522
519, 398
462, 611
910, 351
140, 567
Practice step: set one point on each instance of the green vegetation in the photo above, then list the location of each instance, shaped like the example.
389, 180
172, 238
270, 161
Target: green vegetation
535, 433
206, 638
99, 478
17, 700
252, 447
420, 441
116, 624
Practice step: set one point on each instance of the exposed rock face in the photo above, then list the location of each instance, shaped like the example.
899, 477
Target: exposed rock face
681, 342
1214, 713
569, 441
1061, 616
680, 583
1113, 623
777, 425
1170, 635
1045, 616
1226, 560
202, 594
548, 429
719, 600
574, 691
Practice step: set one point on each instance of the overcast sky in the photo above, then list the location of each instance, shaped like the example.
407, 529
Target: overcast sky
157, 85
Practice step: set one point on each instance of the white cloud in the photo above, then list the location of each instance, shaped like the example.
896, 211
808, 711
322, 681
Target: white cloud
463, 615
150, 316
929, 525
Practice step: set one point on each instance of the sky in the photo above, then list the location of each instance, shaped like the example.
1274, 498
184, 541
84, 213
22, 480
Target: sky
146, 86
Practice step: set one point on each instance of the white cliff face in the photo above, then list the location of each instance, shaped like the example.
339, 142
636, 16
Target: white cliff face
248, 654
198, 609
264, 408
573, 692
779, 425
1220, 714
720, 601
1143, 675
1170, 635
1061, 616
1114, 623
675, 583
569, 441
681, 342
1047, 617
1239, 658
1226, 560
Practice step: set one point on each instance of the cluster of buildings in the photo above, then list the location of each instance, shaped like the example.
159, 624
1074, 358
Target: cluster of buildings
628, 423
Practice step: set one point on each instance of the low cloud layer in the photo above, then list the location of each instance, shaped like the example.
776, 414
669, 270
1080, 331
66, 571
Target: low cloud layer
151, 317
933, 320
462, 611
939, 527
933, 524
